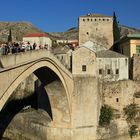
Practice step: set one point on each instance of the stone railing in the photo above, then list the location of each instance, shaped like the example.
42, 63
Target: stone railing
12, 60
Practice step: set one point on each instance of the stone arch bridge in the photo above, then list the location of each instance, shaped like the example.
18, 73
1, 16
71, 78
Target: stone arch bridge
81, 93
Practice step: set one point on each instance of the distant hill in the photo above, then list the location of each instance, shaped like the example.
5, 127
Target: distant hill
124, 30
72, 33
19, 29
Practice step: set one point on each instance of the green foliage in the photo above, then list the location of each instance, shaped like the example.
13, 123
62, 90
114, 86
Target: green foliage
61, 44
116, 30
106, 115
133, 131
131, 111
54, 43
10, 36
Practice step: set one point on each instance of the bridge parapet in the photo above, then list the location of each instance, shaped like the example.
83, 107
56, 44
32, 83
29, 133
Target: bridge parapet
13, 60
23, 57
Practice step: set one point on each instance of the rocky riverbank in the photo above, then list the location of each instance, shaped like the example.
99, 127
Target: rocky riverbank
28, 125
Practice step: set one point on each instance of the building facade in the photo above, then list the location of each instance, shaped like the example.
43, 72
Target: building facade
65, 57
41, 39
104, 64
112, 66
73, 43
83, 62
96, 28
130, 45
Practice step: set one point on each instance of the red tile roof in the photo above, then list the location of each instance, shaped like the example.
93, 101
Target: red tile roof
37, 35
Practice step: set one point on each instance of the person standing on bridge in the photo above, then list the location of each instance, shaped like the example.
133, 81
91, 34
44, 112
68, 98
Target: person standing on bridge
34, 46
1, 50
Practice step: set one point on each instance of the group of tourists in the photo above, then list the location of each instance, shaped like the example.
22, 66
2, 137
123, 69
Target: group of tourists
11, 48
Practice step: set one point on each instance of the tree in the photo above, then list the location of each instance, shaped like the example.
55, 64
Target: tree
10, 36
106, 115
131, 111
133, 131
116, 30
54, 43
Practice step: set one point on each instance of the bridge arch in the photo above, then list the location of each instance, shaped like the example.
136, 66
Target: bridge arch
31, 68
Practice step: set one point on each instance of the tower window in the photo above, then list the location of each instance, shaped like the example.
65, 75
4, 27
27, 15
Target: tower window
117, 71
91, 19
83, 19
125, 61
100, 71
95, 19
84, 67
108, 71
117, 99
88, 19
87, 33
61, 57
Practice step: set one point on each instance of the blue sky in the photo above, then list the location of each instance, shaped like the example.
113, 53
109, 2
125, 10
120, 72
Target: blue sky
60, 15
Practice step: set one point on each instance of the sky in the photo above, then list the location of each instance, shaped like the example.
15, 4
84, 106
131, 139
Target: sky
60, 15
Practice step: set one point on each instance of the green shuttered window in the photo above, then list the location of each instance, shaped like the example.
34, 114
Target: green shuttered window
137, 48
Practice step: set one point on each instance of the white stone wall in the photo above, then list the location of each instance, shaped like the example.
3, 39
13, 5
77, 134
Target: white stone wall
113, 64
61, 41
65, 59
67, 41
38, 40
83, 57
119, 94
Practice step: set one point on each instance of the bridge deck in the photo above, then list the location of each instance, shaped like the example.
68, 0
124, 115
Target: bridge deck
15, 60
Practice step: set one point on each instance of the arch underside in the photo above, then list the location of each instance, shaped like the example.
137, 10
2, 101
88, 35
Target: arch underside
45, 66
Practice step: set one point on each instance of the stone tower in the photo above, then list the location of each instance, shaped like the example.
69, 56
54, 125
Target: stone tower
97, 28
